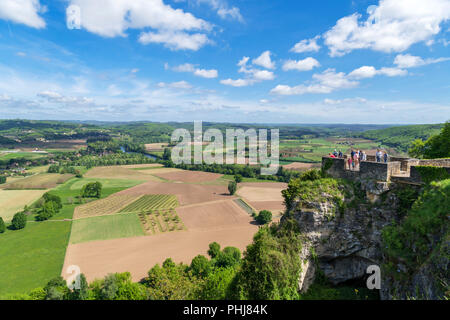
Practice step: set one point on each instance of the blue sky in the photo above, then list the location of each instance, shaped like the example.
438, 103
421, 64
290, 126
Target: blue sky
226, 60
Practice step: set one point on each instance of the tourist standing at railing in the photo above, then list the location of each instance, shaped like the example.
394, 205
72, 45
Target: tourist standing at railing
341, 155
355, 160
335, 153
349, 161
378, 155
364, 156
386, 156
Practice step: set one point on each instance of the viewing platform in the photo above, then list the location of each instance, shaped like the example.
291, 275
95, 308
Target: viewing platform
402, 170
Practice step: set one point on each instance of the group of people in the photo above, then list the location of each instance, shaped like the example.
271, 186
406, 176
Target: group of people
356, 157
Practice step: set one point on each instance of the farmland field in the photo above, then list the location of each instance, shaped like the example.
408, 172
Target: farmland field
109, 205
106, 227
157, 221
152, 202
106, 183
312, 150
121, 173
38, 181
39, 259
13, 201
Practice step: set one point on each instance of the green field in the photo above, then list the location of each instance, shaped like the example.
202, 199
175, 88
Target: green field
106, 183
152, 202
32, 256
17, 155
106, 227
313, 149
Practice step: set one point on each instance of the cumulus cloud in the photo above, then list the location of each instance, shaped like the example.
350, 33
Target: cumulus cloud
409, 61
392, 26
223, 9
175, 40
330, 80
188, 67
253, 75
307, 45
325, 82
23, 11
301, 65
171, 27
370, 72
264, 60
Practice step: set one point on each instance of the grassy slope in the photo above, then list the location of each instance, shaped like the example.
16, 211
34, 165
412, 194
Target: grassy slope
32, 256
106, 227
402, 137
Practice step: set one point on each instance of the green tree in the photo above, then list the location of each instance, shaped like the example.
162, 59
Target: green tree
167, 154
2, 179
217, 284
171, 282
238, 178
48, 210
437, 146
214, 250
264, 217
81, 293
19, 221
2, 225
200, 266
232, 187
92, 190
271, 265
229, 257
51, 197
56, 289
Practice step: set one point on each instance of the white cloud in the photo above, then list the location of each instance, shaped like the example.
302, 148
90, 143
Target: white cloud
263, 75
188, 67
206, 73
308, 45
223, 9
238, 82
392, 26
301, 65
363, 72
264, 60
325, 82
111, 18
175, 40
56, 97
23, 11
176, 85
409, 61
330, 80
253, 75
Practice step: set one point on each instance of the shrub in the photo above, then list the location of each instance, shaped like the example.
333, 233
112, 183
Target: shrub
19, 221
53, 169
232, 187
238, 178
48, 210
264, 217
214, 250
92, 190
51, 197
2, 179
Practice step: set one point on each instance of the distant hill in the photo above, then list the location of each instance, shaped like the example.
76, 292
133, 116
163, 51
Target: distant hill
402, 137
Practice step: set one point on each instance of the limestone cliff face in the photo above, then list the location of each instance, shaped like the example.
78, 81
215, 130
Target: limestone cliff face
343, 240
